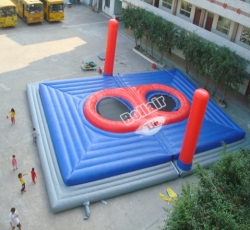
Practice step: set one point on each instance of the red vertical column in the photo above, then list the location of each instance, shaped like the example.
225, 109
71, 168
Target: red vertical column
194, 124
110, 47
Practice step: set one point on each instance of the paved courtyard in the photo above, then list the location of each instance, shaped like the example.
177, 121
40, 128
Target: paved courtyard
53, 51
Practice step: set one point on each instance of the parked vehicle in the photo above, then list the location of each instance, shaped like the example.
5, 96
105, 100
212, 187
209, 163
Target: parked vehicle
53, 10
31, 11
8, 14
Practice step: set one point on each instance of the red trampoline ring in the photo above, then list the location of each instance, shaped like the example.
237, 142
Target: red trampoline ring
173, 116
134, 122
97, 120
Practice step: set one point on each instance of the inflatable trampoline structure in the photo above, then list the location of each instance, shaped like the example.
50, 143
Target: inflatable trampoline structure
96, 138
83, 160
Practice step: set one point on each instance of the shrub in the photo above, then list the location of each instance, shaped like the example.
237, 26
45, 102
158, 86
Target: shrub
219, 200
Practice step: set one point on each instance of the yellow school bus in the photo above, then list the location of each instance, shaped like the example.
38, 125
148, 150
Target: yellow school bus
8, 14
53, 10
31, 11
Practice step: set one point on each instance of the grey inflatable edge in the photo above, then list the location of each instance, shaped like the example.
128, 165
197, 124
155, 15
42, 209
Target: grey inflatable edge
62, 197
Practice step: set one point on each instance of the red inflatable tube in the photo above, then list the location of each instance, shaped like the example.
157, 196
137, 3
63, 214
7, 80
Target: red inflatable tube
174, 116
142, 110
110, 47
194, 125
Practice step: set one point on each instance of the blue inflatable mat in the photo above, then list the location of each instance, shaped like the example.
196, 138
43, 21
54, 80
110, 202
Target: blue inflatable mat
86, 153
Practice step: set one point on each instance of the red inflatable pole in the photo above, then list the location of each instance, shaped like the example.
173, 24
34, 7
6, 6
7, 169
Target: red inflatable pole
110, 47
194, 124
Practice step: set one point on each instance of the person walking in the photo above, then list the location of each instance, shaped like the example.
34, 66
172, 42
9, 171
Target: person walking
12, 116
34, 135
14, 163
20, 176
33, 175
14, 220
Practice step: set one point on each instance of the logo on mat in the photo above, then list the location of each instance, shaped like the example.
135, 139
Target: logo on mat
151, 126
143, 110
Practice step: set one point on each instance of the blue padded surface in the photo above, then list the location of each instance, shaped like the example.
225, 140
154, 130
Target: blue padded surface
86, 153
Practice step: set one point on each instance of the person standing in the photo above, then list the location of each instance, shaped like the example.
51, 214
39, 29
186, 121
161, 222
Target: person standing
14, 162
33, 175
169, 50
12, 116
13, 219
20, 176
34, 135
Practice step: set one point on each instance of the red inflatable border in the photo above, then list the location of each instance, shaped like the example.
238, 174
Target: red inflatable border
139, 104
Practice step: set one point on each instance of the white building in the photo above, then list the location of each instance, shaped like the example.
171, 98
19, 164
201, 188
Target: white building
223, 22
110, 7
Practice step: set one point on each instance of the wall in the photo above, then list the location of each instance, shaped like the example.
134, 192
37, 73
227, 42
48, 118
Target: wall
227, 13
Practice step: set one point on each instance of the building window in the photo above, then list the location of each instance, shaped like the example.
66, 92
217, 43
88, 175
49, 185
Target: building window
245, 35
167, 3
223, 25
107, 3
186, 8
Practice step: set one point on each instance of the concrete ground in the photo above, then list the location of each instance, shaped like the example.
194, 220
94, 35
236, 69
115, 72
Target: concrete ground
51, 51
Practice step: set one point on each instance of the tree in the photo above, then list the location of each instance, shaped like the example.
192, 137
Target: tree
166, 37
227, 69
154, 31
190, 50
216, 69
219, 200
132, 18
139, 21
147, 20
127, 16
179, 39
200, 58
162, 39
206, 59
235, 76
